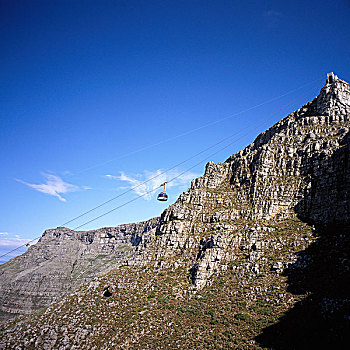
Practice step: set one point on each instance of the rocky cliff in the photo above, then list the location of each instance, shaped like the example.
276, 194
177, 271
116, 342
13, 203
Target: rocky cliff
297, 168
64, 259
256, 239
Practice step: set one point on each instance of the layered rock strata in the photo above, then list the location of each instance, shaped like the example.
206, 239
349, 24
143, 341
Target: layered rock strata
297, 168
63, 259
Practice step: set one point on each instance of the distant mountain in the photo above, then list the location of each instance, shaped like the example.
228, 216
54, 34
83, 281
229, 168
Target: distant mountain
64, 259
254, 255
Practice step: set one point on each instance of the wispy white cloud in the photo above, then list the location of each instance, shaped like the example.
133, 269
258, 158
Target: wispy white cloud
13, 242
67, 173
4, 233
153, 180
54, 186
109, 176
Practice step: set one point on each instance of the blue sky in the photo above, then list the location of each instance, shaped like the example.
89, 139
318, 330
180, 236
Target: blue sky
131, 88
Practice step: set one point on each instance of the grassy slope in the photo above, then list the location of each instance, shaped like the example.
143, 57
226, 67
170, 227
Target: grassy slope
153, 308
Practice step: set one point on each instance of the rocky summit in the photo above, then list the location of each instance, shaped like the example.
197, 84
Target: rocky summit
255, 255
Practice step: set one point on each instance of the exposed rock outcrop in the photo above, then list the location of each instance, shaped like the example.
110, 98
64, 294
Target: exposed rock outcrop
63, 259
298, 167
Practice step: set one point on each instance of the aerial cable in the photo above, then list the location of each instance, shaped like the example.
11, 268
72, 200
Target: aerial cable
131, 189
187, 170
282, 110
175, 166
198, 128
154, 189
155, 176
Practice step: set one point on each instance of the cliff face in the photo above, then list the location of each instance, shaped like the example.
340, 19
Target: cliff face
243, 224
297, 168
64, 259
280, 173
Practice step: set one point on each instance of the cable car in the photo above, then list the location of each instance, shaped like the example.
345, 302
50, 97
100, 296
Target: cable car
162, 196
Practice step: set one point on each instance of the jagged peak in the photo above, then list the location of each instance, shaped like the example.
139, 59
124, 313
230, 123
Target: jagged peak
334, 97
333, 100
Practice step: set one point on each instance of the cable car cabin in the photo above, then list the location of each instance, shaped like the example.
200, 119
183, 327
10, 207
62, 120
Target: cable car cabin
162, 197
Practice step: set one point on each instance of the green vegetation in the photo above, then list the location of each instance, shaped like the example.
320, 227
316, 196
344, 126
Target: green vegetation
154, 308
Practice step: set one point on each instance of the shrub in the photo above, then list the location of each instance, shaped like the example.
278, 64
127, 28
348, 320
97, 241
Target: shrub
243, 317
151, 295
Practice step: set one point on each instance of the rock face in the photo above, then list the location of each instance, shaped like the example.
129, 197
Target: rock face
63, 259
279, 174
298, 168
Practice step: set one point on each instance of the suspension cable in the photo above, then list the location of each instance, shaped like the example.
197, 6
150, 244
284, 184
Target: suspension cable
318, 80
169, 169
187, 170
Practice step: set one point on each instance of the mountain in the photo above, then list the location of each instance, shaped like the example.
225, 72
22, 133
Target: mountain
254, 255
64, 259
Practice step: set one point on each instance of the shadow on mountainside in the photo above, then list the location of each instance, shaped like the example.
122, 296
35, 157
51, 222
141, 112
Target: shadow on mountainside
321, 320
